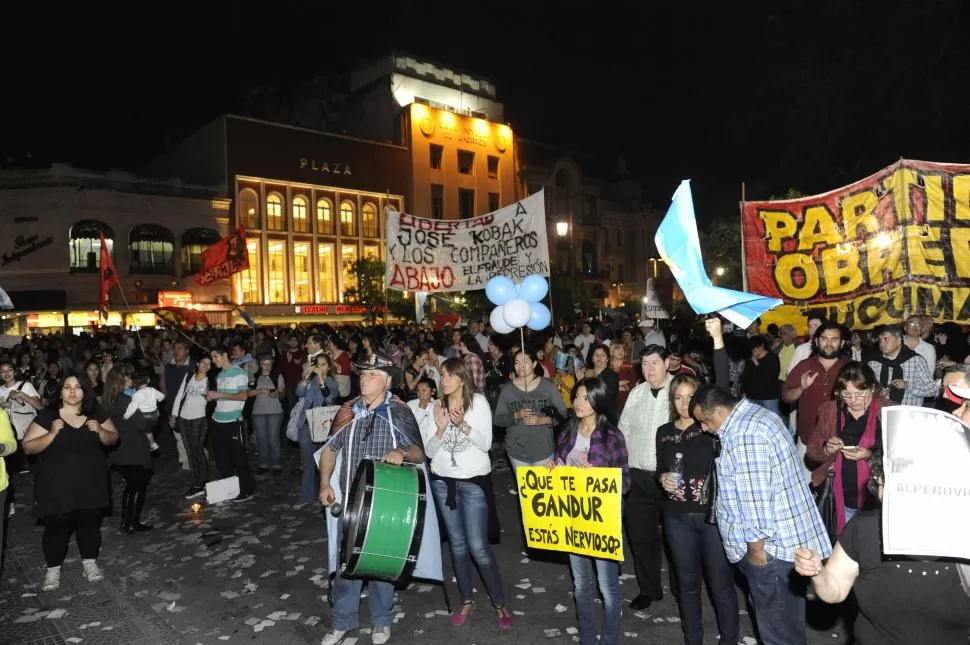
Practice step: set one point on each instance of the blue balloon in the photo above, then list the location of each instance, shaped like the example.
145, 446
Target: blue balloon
540, 318
500, 290
534, 288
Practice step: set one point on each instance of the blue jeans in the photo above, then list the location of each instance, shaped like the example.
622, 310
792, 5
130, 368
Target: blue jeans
587, 572
346, 602
696, 550
778, 597
467, 526
516, 464
768, 404
311, 476
267, 427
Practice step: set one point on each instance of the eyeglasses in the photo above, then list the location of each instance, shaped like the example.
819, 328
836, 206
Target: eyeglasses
912, 324
850, 396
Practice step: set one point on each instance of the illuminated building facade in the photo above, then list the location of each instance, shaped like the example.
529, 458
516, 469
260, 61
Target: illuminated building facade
462, 156
311, 203
50, 249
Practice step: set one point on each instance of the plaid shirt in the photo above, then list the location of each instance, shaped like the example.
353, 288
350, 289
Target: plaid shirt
919, 379
762, 493
607, 448
370, 434
477, 370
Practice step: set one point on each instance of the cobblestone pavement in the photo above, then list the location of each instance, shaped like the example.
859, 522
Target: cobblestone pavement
254, 572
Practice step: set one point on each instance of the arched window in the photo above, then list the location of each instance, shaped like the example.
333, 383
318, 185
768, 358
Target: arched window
324, 217
368, 220
152, 249
194, 242
300, 223
248, 209
274, 212
348, 226
85, 245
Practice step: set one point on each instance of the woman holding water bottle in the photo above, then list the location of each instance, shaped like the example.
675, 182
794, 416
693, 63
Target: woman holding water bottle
590, 439
685, 456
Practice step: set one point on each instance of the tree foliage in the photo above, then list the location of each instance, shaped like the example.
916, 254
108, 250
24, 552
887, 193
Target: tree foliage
371, 292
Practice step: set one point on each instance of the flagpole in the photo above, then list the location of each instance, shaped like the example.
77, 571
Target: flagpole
128, 306
387, 205
744, 263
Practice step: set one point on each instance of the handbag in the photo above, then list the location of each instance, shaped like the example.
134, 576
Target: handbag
319, 420
825, 500
709, 489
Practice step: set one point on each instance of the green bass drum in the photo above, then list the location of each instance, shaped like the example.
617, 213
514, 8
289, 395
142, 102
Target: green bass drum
383, 526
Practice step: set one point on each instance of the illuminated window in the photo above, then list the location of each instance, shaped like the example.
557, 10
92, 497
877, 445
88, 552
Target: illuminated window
466, 203
274, 212
152, 249
492, 202
276, 269
327, 273
324, 217
348, 256
492, 167
194, 243
437, 152
301, 272
347, 224
249, 279
372, 252
300, 223
248, 209
85, 245
368, 217
466, 162
437, 201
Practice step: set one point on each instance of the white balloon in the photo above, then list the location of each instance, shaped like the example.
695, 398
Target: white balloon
517, 312
497, 319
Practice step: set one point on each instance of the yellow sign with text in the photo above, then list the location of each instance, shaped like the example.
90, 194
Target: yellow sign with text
576, 510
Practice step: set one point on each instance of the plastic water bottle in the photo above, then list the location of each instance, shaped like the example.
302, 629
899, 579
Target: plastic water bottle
677, 469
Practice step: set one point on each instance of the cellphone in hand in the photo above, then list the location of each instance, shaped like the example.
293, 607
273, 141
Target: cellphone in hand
849, 447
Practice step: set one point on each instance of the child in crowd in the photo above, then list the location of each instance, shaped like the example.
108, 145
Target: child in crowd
145, 400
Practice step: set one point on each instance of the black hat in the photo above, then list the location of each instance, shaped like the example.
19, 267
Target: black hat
383, 363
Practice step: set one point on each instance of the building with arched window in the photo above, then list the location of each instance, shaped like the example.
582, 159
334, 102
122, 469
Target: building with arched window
155, 232
300, 261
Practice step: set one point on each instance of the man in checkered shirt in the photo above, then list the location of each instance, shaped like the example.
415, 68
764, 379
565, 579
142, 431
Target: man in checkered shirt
381, 426
901, 371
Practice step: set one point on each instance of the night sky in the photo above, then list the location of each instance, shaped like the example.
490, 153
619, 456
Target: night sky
780, 96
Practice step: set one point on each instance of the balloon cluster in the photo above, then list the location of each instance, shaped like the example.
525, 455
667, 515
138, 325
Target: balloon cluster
518, 306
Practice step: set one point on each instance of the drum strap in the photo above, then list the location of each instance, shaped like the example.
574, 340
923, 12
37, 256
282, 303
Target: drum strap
350, 445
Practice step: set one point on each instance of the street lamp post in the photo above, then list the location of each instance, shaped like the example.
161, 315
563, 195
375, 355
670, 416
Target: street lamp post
564, 228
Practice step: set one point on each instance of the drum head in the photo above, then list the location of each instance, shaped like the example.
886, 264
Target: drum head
382, 531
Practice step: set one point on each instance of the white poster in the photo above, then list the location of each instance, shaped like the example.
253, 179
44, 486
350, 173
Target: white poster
437, 256
926, 498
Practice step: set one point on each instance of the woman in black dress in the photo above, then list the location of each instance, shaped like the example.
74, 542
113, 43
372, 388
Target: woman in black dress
71, 485
133, 455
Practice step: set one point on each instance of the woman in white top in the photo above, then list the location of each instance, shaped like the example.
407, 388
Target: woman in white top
189, 419
426, 392
457, 437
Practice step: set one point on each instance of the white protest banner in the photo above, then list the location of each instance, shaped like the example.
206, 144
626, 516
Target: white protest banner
926, 496
462, 255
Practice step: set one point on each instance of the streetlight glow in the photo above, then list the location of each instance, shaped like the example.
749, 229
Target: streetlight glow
720, 271
562, 228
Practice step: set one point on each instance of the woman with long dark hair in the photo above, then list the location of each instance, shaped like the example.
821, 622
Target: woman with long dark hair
92, 378
71, 485
591, 439
457, 437
133, 456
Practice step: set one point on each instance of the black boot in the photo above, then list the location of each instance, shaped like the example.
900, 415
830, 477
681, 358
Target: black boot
127, 505
138, 505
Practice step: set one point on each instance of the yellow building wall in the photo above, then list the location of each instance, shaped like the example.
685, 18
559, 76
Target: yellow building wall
425, 126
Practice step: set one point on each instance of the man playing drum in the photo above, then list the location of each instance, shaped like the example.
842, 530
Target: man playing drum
381, 426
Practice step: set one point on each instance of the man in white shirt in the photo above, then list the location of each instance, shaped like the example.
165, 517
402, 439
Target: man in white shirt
652, 334
584, 341
475, 328
646, 409
803, 351
914, 340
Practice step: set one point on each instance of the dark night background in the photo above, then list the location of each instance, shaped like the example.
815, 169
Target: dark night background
780, 95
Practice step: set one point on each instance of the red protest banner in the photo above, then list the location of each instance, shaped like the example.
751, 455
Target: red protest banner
224, 258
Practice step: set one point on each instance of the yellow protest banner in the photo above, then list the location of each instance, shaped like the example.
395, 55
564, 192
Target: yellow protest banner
576, 510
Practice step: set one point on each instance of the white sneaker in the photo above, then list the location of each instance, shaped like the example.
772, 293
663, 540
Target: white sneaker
380, 635
333, 637
52, 579
91, 571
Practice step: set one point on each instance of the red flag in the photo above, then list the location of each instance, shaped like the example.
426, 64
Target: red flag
108, 276
224, 258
